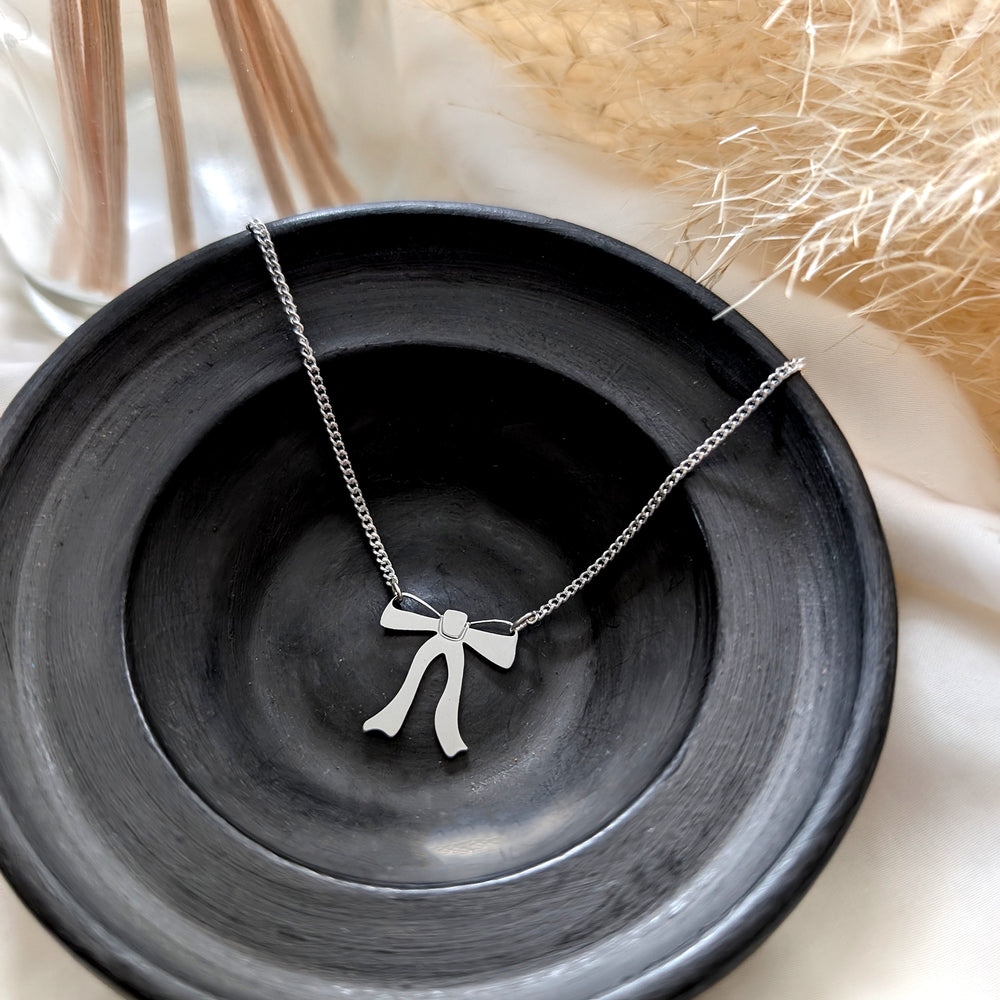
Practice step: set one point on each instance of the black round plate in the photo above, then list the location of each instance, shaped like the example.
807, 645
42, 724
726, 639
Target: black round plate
189, 636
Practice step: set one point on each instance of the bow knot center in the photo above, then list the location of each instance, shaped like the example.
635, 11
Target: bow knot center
454, 624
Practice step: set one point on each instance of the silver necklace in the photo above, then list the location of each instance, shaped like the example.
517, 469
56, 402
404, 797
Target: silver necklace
452, 631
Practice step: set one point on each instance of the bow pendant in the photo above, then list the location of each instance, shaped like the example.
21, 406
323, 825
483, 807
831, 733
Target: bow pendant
453, 632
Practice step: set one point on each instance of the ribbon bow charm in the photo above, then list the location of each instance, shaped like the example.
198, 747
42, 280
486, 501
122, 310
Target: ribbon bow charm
453, 632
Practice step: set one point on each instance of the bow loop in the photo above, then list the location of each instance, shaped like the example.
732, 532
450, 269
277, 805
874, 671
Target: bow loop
408, 621
498, 649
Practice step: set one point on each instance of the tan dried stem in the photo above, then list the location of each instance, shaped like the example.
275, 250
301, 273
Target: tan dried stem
77, 196
104, 84
89, 67
97, 238
282, 112
321, 145
253, 102
168, 111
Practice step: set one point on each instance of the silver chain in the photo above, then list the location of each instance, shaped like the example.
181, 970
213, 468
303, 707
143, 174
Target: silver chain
663, 490
323, 399
751, 403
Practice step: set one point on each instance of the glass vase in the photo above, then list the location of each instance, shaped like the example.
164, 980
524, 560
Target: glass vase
137, 130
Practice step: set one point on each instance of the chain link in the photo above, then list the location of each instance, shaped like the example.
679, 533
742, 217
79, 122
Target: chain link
751, 403
263, 238
689, 464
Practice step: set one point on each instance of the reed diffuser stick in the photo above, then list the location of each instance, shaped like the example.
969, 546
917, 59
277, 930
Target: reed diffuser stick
254, 108
115, 139
168, 113
90, 71
67, 58
104, 63
97, 237
285, 112
322, 146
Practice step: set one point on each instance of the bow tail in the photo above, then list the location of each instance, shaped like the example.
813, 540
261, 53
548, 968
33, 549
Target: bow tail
446, 713
390, 719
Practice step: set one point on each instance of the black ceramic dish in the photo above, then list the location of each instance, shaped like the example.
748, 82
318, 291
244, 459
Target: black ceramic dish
189, 636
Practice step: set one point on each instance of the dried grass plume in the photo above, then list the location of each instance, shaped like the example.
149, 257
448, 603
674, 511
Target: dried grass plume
856, 144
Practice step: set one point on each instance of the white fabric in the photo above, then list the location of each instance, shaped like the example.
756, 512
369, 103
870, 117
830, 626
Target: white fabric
909, 906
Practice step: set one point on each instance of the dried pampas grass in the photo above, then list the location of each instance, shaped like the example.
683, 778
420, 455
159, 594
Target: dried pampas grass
856, 144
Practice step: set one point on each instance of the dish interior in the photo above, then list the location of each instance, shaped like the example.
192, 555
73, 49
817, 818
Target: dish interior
252, 617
